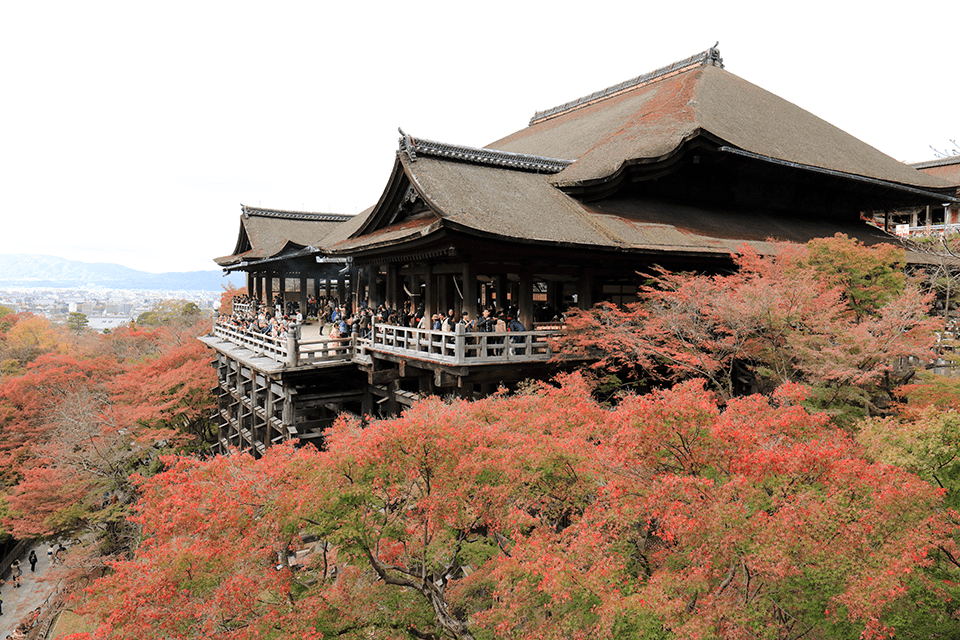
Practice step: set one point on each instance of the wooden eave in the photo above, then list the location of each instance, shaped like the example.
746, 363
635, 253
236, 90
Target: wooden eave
641, 169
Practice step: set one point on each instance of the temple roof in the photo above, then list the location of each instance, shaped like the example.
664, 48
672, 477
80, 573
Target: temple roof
519, 206
944, 168
759, 168
651, 116
266, 233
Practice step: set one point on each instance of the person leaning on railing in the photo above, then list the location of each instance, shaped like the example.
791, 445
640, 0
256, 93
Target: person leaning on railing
514, 325
486, 323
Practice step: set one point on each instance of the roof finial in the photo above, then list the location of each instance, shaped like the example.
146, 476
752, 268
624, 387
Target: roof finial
407, 145
713, 56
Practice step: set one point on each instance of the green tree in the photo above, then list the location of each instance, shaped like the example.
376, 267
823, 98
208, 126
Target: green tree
77, 321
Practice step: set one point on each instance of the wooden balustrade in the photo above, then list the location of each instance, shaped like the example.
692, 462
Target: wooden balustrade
464, 348
457, 348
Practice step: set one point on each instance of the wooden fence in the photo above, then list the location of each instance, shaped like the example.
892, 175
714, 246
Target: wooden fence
454, 348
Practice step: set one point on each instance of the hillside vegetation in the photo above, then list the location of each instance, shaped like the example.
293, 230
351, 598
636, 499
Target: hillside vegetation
744, 461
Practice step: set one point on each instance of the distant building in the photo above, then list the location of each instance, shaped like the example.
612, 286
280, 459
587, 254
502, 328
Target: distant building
930, 219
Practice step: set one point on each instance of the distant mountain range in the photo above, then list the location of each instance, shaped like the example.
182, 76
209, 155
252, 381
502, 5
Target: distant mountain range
51, 272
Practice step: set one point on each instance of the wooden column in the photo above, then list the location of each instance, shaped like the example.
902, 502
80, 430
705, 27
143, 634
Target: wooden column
392, 292
526, 300
260, 430
326, 288
353, 288
289, 415
555, 296
341, 289
416, 289
430, 294
269, 400
258, 286
443, 294
501, 288
250, 283
283, 293
303, 295
469, 290
370, 284
585, 290
269, 300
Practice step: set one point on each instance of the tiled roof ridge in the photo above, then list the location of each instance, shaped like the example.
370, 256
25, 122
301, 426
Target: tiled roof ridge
709, 57
939, 162
413, 146
293, 215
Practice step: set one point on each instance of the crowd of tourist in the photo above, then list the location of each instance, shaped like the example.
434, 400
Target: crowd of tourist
339, 320
254, 318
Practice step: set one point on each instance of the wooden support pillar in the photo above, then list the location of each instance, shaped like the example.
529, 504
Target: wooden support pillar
367, 404
341, 290
354, 290
289, 412
269, 401
416, 288
269, 300
259, 429
554, 296
585, 290
326, 288
303, 295
469, 290
444, 301
392, 406
368, 285
392, 291
258, 285
250, 283
430, 294
914, 218
929, 217
502, 285
526, 300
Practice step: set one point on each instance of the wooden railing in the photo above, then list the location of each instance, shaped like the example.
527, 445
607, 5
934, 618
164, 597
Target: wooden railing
454, 348
242, 307
261, 344
461, 347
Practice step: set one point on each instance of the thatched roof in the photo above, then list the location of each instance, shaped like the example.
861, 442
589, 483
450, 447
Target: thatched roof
947, 169
268, 233
524, 207
651, 119
531, 187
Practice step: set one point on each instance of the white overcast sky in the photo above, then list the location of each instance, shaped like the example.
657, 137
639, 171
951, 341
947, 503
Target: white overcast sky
131, 132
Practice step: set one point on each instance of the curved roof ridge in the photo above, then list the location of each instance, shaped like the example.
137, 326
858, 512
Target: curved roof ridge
263, 212
939, 162
412, 146
710, 57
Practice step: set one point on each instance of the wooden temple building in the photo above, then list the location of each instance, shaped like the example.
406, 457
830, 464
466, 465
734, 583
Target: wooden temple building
929, 220
678, 167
